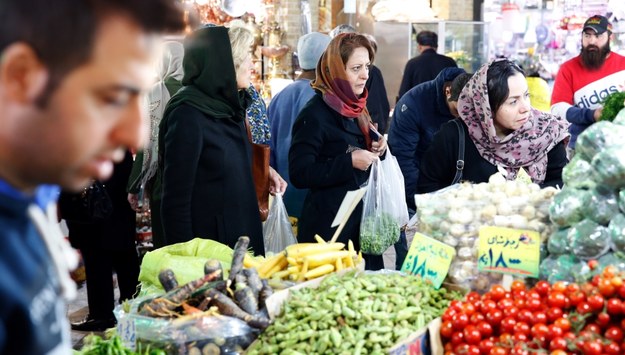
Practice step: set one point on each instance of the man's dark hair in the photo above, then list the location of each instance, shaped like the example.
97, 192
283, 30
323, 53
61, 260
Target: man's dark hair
457, 85
427, 38
62, 32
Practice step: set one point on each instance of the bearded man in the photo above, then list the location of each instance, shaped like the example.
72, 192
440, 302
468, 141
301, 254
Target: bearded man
584, 81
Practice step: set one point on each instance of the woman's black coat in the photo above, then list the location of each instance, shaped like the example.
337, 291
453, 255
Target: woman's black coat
208, 189
320, 160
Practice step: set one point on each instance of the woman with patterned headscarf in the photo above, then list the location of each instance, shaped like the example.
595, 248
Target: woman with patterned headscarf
502, 132
208, 187
145, 168
334, 141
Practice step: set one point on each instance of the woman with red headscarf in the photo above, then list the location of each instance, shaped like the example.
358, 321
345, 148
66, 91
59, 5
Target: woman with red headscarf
334, 141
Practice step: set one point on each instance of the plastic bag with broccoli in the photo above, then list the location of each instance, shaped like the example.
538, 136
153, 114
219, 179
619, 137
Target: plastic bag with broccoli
589, 240
384, 207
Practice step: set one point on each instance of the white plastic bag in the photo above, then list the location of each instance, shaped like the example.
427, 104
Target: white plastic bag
384, 208
277, 230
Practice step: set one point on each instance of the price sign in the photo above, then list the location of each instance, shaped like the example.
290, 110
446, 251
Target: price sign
429, 259
509, 251
127, 331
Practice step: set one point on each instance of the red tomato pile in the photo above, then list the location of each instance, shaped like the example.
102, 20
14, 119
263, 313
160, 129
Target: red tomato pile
553, 319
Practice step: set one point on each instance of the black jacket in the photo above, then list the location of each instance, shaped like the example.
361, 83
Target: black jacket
438, 166
377, 101
319, 160
208, 189
422, 68
118, 232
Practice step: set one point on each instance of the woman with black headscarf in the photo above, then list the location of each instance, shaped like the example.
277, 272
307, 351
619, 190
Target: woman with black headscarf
208, 188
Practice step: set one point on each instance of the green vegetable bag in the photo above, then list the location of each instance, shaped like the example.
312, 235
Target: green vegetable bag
186, 260
384, 209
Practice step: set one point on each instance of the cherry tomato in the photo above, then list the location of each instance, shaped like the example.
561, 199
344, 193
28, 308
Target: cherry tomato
592, 264
583, 308
606, 288
554, 331
472, 335
497, 292
468, 308
476, 318
460, 321
533, 304
614, 333
517, 285
554, 313
542, 287
576, 298
507, 324
621, 291
593, 347
485, 329
593, 328
596, 302
486, 345
457, 338
612, 348
494, 317
557, 343
525, 315
539, 330
505, 303
510, 312
603, 319
556, 299
519, 338
473, 297
449, 314
540, 317
614, 306
488, 305
447, 329
559, 286
498, 350
558, 352
563, 323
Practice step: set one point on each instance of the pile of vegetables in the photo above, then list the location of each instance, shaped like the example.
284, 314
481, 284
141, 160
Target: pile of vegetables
589, 212
96, 345
211, 313
355, 313
558, 318
612, 105
307, 261
454, 216
378, 232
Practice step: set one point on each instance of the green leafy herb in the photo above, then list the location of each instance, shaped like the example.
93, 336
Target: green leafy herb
612, 105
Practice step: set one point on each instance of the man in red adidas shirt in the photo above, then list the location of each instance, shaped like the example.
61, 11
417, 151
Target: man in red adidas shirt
584, 81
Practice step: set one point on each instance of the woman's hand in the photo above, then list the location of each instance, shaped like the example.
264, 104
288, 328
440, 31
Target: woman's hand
379, 147
362, 159
277, 185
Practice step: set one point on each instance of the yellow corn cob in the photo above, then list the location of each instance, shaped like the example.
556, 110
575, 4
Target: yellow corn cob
250, 262
348, 261
291, 261
319, 271
303, 250
282, 263
303, 271
329, 257
339, 264
264, 268
281, 274
294, 269
319, 239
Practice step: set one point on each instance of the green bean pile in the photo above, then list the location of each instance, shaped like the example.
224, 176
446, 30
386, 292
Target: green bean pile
353, 314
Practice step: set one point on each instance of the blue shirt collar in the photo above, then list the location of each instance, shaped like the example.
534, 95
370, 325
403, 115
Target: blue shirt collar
44, 194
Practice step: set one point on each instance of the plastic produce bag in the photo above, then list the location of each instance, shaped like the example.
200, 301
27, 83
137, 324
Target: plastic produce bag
620, 118
559, 242
567, 206
578, 173
589, 240
186, 260
598, 137
621, 200
384, 206
277, 229
610, 166
602, 205
558, 267
209, 334
617, 232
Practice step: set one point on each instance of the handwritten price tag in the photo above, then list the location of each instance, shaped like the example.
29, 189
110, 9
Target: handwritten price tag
127, 331
509, 251
429, 259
